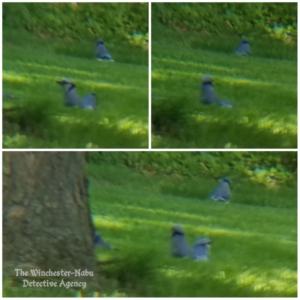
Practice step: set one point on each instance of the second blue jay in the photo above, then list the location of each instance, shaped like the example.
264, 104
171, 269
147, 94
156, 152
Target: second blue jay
201, 249
72, 99
222, 192
243, 48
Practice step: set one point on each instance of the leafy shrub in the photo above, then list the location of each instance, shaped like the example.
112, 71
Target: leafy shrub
230, 18
77, 20
267, 168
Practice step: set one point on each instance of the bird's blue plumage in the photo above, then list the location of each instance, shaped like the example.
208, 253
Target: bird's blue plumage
222, 192
101, 51
243, 48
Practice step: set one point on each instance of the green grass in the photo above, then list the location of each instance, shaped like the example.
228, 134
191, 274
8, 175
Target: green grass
254, 250
263, 88
32, 64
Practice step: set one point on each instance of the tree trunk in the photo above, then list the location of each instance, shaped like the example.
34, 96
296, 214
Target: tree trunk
46, 215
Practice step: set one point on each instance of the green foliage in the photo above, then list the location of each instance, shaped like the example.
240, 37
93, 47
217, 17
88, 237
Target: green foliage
270, 169
251, 19
77, 20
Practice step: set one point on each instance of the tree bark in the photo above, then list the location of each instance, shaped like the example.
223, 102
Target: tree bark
46, 215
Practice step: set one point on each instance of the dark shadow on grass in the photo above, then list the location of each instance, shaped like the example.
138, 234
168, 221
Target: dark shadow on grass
181, 126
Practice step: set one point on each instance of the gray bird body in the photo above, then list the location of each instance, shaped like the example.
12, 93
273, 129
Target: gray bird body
179, 244
89, 101
72, 99
201, 249
222, 192
101, 51
208, 93
243, 48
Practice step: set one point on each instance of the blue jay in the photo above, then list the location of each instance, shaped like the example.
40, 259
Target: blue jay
72, 99
98, 241
222, 192
101, 51
179, 245
201, 249
209, 95
243, 48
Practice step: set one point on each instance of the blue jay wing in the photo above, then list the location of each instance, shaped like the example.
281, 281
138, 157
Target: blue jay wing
209, 95
222, 193
180, 247
200, 252
243, 48
102, 53
89, 101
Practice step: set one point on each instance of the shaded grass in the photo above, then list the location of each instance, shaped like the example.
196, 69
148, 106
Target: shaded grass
262, 87
31, 65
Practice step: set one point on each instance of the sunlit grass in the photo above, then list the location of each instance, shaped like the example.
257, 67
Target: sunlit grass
31, 68
262, 87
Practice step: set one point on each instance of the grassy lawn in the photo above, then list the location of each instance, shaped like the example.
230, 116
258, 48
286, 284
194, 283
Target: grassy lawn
254, 250
263, 88
32, 64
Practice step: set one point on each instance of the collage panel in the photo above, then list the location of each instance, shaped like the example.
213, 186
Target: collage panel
149, 224
224, 75
75, 75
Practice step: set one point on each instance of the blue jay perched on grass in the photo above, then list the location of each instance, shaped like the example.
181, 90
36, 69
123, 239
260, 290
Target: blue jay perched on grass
72, 99
243, 48
209, 95
179, 245
222, 192
98, 241
201, 249
101, 51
